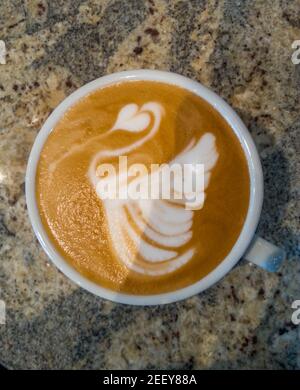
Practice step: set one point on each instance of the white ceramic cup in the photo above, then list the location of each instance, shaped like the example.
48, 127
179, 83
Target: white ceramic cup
252, 248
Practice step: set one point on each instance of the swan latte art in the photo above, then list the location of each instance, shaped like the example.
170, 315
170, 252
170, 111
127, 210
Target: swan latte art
133, 245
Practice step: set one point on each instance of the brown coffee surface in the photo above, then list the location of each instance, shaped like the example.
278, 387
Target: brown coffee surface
73, 215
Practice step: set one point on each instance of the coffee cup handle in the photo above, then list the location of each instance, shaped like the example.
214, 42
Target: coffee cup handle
264, 254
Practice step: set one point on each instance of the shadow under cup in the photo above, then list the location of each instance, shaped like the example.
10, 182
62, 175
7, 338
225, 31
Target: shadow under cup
240, 133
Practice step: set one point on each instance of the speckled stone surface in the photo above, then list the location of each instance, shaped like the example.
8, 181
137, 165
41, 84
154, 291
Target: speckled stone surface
242, 50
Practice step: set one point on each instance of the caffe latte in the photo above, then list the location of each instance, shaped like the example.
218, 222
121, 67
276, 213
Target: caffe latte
142, 244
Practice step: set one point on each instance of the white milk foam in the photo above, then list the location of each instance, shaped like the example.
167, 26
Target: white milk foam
146, 235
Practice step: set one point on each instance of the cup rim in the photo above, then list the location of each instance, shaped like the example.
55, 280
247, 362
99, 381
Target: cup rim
256, 188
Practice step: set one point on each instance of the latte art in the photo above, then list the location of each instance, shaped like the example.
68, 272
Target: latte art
175, 231
147, 235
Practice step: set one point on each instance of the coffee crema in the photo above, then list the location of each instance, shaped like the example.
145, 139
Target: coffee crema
141, 246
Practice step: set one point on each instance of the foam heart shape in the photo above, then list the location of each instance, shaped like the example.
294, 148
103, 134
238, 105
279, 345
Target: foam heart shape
131, 119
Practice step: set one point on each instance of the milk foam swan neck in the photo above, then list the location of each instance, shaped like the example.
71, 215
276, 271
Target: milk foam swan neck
131, 119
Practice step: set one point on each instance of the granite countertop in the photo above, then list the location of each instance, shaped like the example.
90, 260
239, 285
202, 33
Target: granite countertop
242, 50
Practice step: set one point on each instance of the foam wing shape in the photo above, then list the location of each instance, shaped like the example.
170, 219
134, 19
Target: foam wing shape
153, 236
